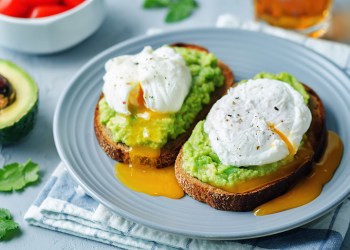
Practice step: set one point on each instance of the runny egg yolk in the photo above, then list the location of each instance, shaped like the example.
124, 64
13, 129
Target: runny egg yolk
141, 174
310, 187
136, 100
150, 180
284, 138
137, 106
144, 119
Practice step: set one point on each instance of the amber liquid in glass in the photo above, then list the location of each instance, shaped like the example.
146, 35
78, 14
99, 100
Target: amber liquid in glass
301, 15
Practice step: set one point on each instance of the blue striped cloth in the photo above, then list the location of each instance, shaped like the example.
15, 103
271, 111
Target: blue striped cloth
63, 206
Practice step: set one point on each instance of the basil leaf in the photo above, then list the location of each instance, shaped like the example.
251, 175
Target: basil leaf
148, 4
180, 10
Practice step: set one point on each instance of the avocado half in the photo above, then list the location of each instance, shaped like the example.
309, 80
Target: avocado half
17, 119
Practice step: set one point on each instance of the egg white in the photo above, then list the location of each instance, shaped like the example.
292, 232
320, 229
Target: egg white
162, 74
241, 125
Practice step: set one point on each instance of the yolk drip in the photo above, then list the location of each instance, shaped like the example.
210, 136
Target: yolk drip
304, 155
137, 151
284, 138
311, 186
141, 174
144, 119
150, 180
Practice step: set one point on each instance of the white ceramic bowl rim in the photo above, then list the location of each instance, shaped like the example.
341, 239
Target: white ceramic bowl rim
46, 20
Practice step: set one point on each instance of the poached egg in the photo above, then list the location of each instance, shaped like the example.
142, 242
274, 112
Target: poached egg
157, 79
259, 122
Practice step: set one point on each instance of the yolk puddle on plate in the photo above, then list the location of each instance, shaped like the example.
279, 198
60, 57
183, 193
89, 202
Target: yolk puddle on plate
311, 186
150, 180
147, 178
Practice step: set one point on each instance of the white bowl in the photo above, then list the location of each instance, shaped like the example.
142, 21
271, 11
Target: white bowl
54, 33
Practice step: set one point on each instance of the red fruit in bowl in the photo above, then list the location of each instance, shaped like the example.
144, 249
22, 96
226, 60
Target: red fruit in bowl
14, 8
72, 3
34, 3
48, 10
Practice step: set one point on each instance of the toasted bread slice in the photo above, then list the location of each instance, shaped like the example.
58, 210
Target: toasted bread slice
120, 152
247, 201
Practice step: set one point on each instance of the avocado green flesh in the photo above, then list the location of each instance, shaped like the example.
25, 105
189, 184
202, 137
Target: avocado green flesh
200, 161
19, 129
17, 119
206, 77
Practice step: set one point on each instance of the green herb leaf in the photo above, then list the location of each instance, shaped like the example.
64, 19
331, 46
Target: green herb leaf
6, 222
5, 214
16, 176
180, 10
148, 4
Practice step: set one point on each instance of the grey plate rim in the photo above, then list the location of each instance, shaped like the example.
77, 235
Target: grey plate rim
165, 228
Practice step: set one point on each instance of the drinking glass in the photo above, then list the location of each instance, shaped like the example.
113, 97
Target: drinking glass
310, 17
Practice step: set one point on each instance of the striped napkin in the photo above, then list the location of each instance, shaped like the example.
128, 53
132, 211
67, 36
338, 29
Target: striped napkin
63, 206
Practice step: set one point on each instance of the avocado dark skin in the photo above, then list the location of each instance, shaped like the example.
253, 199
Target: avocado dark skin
7, 93
19, 97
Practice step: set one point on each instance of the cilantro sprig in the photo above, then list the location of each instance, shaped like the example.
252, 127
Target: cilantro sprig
6, 223
16, 176
177, 9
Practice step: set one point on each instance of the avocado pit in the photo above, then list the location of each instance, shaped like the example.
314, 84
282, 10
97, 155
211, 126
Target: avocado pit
7, 93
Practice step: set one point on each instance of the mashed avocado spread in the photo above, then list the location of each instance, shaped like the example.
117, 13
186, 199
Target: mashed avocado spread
200, 161
206, 77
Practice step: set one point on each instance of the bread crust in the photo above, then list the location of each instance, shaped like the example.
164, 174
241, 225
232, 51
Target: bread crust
247, 201
120, 152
